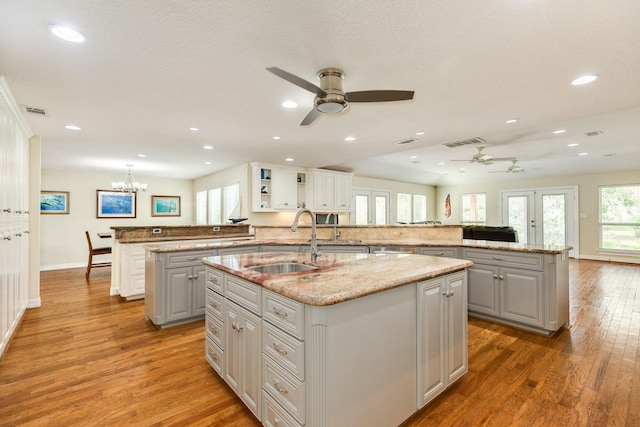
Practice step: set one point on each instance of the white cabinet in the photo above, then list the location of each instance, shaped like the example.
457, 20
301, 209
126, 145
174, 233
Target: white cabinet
185, 293
528, 290
442, 334
127, 277
330, 191
276, 188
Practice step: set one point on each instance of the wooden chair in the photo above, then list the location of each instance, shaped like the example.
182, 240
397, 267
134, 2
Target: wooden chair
96, 251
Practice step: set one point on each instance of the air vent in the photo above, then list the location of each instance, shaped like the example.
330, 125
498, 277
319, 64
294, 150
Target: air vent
34, 110
406, 141
594, 133
469, 141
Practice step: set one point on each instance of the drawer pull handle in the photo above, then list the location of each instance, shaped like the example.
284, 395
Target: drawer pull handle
214, 330
279, 349
280, 389
279, 312
193, 258
214, 304
214, 356
439, 253
276, 421
497, 258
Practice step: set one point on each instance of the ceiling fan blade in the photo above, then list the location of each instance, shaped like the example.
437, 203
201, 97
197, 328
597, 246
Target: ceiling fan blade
311, 117
502, 159
291, 78
379, 95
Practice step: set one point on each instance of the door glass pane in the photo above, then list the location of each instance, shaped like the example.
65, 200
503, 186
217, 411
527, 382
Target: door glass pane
419, 208
553, 219
381, 210
517, 206
404, 208
215, 206
362, 209
201, 207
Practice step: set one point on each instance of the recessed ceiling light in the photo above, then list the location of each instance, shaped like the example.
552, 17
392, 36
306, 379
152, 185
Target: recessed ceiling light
350, 138
207, 147
288, 159
583, 154
72, 127
66, 33
194, 129
511, 121
583, 80
559, 131
142, 155
207, 163
573, 144
420, 133
441, 163
276, 137
289, 104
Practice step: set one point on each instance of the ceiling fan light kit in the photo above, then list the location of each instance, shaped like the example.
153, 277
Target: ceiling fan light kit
330, 98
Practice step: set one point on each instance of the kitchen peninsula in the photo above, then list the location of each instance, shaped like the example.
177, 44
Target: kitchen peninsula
350, 339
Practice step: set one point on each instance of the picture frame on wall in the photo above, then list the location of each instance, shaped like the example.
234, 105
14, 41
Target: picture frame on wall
54, 202
165, 206
115, 204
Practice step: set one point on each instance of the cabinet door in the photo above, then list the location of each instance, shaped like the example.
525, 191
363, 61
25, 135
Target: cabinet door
178, 293
199, 286
285, 189
457, 357
431, 341
323, 191
483, 289
251, 360
232, 346
521, 296
342, 191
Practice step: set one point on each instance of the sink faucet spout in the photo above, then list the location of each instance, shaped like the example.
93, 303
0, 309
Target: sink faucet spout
314, 244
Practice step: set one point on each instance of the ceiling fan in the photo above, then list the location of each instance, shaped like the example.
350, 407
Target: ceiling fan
511, 169
484, 159
330, 98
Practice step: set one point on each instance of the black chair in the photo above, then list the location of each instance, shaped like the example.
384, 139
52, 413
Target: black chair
96, 251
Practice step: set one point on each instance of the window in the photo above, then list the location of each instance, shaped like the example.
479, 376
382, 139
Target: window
231, 200
473, 208
620, 218
215, 206
403, 208
411, 208
201, 207
419, 208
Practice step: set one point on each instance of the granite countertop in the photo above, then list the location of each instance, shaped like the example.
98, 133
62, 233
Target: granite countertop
483, 244
339, 277
151, 240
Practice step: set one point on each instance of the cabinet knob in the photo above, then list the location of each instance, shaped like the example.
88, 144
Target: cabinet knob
7, 237
501, 277
7, 210
495, 276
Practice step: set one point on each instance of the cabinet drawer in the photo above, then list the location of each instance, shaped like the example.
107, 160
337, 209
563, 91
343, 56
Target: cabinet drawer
273, 415
213, 354
215, 280
524, 260
215, 302
284, 349
445, 252
285, 389
183, 259
284, 312
214, 328
246, 294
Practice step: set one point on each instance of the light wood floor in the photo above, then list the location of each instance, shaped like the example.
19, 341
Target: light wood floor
85, 358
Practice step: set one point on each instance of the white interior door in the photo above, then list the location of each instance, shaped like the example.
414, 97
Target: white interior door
370, 207
545, 216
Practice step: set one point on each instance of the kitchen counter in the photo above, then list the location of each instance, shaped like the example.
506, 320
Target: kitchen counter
339, 277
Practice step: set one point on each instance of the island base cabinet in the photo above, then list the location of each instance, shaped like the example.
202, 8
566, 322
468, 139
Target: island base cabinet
242, 354
442, 334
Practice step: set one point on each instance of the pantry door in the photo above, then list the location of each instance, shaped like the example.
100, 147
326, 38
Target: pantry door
545, 216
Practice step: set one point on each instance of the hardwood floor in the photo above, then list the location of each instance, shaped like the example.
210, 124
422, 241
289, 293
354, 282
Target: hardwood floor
86, 358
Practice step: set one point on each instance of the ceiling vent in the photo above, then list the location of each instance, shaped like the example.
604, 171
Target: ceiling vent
594, 133
406, 141
34, 110
468, 141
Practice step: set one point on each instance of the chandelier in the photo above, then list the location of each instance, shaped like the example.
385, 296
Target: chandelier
129, 185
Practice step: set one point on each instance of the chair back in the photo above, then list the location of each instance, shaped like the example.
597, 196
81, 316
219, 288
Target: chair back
89, 241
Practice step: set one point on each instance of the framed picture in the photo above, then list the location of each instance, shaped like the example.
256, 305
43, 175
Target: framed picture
165, 205
115, 204
54, 202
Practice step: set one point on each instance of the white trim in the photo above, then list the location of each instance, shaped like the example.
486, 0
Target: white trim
34, 303
611, 259
62, 266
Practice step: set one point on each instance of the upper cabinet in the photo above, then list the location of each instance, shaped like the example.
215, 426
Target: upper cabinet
329, 191
276, 188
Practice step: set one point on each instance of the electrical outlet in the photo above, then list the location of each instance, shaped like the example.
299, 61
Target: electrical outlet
216, 228
156, 231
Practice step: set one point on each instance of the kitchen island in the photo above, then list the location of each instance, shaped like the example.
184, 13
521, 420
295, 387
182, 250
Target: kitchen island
354, 339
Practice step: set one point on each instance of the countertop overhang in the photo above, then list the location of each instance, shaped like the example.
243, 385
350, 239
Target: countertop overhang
339, 277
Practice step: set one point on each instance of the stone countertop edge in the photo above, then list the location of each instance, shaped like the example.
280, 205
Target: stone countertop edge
481, 244
151, 240
339, 277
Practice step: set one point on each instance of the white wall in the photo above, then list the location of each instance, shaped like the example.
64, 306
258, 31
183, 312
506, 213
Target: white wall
587, 195
62, 240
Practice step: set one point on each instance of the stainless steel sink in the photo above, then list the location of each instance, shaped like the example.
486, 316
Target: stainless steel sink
282, 268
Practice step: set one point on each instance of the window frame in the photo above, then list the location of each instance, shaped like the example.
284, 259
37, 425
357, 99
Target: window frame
602, 224
482, 221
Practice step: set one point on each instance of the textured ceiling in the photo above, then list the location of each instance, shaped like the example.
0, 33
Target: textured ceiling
151, 69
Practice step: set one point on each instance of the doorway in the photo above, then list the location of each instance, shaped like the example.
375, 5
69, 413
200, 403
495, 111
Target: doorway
543, 216
370, 207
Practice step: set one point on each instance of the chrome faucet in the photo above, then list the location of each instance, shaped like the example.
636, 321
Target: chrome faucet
314, 244
336, 233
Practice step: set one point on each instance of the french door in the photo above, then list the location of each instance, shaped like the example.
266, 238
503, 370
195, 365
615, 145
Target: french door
545, 216
370, 207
